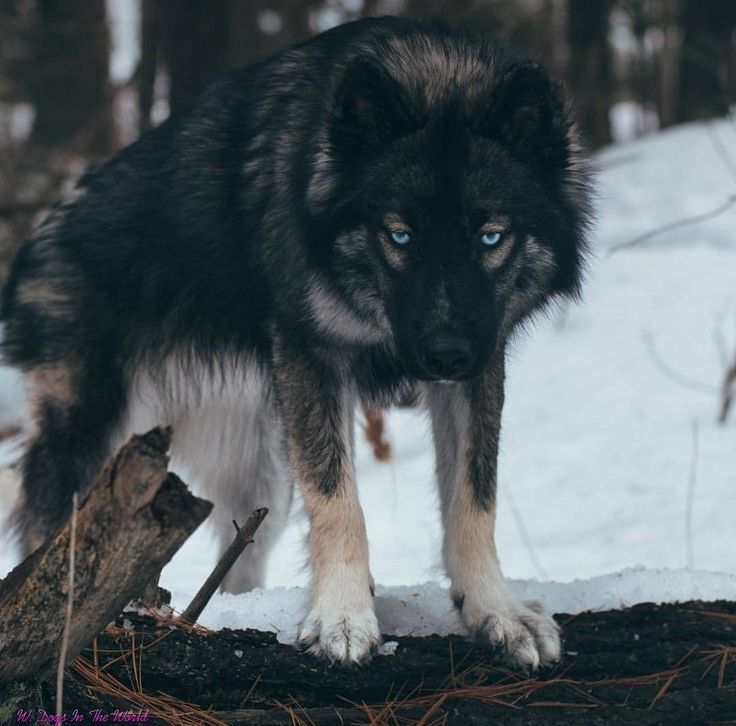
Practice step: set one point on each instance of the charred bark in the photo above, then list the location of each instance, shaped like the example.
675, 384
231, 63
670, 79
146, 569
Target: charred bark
645, 665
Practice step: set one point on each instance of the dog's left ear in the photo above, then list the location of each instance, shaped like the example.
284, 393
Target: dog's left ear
527, 112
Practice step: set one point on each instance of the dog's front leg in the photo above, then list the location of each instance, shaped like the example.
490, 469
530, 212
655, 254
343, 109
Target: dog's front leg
466, 423
318, 414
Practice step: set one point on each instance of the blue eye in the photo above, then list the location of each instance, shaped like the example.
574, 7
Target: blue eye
491, 239
400, 238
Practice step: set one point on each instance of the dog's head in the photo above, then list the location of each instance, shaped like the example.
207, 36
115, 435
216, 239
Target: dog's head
456, 207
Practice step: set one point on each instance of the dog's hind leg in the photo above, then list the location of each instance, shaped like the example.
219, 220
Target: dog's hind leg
74, 410
466, 422
233, 448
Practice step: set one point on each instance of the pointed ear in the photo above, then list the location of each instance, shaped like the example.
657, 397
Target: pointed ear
527, 112
371, 108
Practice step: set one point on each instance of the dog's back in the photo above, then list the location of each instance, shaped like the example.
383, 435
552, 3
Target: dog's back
380, 206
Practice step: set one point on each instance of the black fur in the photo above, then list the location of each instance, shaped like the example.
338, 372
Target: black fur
258, 226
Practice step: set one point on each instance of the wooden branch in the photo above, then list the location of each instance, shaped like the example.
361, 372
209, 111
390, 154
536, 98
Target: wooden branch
242, 539
135, 517
684, 222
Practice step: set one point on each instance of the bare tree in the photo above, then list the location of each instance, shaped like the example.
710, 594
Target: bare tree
261, 27
589, 70
707, 61
667, 62
70, 85
194, 45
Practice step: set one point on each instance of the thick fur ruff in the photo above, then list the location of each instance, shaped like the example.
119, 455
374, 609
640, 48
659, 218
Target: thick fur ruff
367, 215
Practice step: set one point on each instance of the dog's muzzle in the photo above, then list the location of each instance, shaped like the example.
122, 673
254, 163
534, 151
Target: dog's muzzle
444, 357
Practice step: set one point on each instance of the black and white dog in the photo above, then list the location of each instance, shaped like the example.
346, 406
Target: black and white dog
368, 213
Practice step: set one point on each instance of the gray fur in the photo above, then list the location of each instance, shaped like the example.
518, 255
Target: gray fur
235, 273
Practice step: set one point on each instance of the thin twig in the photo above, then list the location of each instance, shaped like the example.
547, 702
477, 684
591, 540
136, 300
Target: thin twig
684, 222
670, 372
691, 495
720, 149
727, 392
729, 383
720, 338
69, 611
525, 538
243, 538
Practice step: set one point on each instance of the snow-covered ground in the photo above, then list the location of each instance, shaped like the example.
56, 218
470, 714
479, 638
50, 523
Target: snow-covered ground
610, 421
425, 609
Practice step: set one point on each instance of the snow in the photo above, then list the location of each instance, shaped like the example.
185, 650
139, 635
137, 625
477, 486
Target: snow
602, 443
425, 609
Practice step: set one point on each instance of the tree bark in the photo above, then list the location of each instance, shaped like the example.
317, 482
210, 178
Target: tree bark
134, 519
589, 72
146, 74
71, 88
645, 665
707, 74
194, 45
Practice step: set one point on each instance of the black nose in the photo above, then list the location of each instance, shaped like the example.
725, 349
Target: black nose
446, 358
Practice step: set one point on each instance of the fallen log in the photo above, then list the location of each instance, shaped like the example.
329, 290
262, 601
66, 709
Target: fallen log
648, 664
134, 519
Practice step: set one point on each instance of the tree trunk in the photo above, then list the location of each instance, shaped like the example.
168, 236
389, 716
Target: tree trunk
707, 81
668, 64
261, 27
71, 88
589, 71
133, 521
146, 75
194, 45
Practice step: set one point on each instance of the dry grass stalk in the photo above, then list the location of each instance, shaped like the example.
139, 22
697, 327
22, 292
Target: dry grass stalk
728, 617
510, 692
420, 707
293, 709
64, 648
723, 656
169, 709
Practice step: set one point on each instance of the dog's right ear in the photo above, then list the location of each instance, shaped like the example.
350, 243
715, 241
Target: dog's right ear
527, 112
370, 108
369, 111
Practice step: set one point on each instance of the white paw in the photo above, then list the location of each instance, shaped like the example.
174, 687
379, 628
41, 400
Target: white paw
525, 637
342, 637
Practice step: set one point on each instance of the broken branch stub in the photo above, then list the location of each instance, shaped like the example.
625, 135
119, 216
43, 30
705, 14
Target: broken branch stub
134, 519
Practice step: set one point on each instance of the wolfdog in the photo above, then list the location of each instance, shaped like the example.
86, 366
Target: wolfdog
370, 213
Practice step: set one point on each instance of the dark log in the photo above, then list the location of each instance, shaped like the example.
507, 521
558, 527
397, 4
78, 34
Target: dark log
645, 665
135, 517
